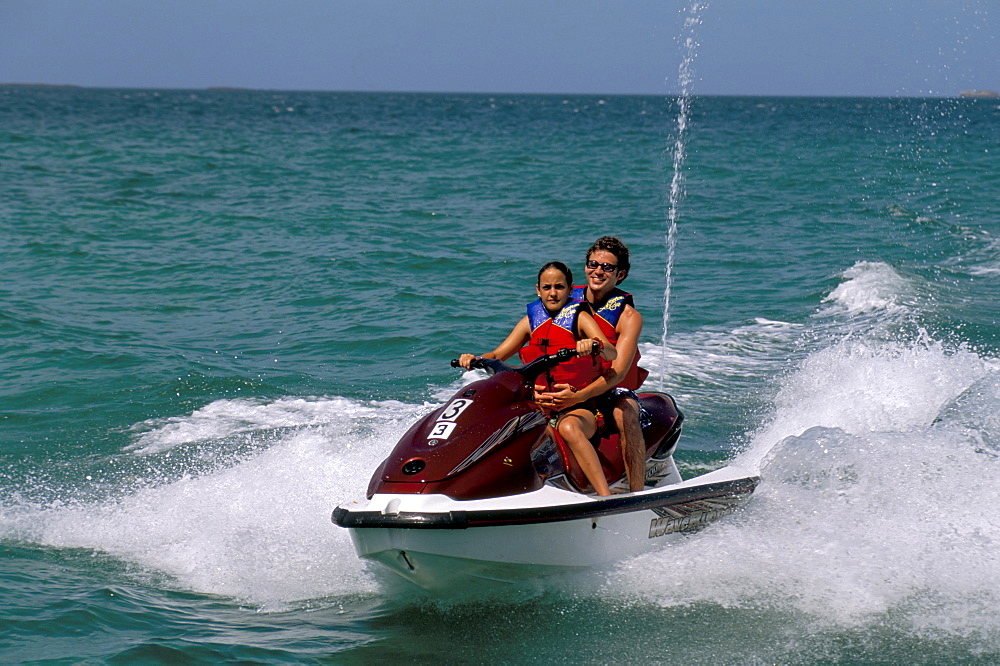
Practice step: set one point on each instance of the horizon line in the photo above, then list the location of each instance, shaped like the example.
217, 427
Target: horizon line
964, 94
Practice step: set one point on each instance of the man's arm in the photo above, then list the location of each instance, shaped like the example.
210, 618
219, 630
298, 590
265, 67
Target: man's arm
629, 328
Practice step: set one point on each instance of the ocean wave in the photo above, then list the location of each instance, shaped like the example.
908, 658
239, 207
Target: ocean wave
231, 418
254, 526
870, 286
868, 385
877, 503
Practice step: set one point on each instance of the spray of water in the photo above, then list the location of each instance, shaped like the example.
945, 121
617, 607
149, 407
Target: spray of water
685, 78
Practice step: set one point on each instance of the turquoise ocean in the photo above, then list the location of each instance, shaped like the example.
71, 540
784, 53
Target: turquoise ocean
219, 310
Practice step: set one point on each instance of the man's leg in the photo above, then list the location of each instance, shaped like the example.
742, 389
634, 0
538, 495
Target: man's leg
626, 414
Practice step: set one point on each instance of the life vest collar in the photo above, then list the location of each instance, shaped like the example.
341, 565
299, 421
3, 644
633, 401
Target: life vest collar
613, 306
565, 318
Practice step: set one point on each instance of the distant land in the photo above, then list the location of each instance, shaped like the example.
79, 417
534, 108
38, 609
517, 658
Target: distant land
979, 93
39, 85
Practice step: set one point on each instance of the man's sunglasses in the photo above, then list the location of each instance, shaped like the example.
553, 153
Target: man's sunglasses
607, 268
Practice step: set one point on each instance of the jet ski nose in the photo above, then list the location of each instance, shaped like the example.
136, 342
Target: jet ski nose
414, 466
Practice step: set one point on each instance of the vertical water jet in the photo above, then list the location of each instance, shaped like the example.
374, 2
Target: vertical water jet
685, 80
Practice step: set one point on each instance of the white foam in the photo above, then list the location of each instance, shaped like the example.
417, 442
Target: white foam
985, 270
257, 529
443, 393
864, 386
870, 286
717, 357
983, 261
223, 419
879, 500
849, 530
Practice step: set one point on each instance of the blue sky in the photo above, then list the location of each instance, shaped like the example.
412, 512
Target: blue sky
766, 47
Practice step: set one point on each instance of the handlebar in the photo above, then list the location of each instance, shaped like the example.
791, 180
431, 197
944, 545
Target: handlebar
528, 370
560, 356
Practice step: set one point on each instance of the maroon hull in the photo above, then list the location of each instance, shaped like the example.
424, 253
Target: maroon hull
491, 440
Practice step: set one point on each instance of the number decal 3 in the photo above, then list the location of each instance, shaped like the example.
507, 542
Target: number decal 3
446, 422
454, 408
441, 430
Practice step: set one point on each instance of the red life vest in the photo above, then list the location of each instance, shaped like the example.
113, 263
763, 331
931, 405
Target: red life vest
550, 334
607, 316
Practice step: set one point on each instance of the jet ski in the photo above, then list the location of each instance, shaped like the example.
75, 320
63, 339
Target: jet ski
482, 489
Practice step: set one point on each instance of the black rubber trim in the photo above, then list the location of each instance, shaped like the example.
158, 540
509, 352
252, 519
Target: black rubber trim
460, 520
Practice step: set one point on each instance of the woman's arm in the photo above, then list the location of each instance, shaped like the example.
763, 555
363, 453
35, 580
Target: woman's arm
516, 339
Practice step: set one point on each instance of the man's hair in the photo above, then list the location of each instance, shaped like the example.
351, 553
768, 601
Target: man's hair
615, 246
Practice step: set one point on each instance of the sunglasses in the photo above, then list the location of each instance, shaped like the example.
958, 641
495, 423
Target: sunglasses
607, 268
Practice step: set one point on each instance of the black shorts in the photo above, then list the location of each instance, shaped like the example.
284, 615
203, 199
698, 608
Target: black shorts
602, 407
606, 403
591, 406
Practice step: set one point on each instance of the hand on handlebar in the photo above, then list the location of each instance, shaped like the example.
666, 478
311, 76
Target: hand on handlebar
588, 347
465, 360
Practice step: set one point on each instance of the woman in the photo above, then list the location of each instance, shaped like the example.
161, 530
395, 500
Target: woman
554, 322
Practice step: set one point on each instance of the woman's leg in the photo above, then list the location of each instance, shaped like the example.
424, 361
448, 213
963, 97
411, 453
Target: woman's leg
576, 428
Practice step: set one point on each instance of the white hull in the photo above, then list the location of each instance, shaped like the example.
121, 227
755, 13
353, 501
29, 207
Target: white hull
439, 543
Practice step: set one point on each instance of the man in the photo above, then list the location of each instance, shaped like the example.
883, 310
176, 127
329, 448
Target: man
607, 266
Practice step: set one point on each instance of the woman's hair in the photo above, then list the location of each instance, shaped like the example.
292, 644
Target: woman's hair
615, 246
559, 266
